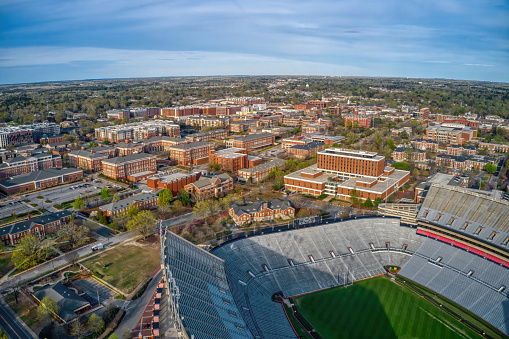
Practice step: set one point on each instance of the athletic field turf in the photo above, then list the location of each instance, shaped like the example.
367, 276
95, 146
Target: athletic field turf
377, 308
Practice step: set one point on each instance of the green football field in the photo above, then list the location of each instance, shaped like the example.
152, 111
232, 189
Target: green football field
377, 308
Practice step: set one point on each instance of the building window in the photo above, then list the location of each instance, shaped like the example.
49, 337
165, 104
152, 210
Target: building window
492, 235
478, 230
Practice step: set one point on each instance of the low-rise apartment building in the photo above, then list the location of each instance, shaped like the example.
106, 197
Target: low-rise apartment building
21, 165
209, 135
161, 144
200, 121
229, 159
193, 153
262, 211
408, 153
214, 185
464, 163
295, 140
252, 141
461, 150
133, 167
143, 201
307, 150
87, 161
174, 181
47, 223
259, 172
357, 120
138, 131
504, 148
425, 145
40, 179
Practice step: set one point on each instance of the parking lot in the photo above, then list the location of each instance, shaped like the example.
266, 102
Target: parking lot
94, 289
16, 206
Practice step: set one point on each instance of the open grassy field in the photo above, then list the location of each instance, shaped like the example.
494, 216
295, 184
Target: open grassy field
5, 263
377, 308
127, 265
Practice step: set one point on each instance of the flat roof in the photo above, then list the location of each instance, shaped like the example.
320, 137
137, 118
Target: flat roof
264, 166
351, 153
311, 170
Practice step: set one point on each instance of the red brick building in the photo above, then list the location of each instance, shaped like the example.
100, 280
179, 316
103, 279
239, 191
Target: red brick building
193, 153
252, 141
503, 148
52, 139
461, 150
319, 103
357, 120
87, 161
47, 223
40, 179
425, 145
172, 181
143, 201
207, 186
259, 172
451, 134
262, 211
402, 154
456, 120
21, 165
209, 135
230, 159
307, 150
133, 167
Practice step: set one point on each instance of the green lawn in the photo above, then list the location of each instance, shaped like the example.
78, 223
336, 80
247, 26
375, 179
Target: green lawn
377, 308
126, 265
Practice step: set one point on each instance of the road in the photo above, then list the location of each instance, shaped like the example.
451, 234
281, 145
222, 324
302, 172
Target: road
134, 309
11, 326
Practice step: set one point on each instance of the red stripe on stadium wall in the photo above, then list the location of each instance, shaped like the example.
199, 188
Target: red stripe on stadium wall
476, 251
506, 264
493, 258
460, 245
431, 235
420, 231
444, 239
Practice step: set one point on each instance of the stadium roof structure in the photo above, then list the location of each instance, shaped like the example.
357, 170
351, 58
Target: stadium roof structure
228, 293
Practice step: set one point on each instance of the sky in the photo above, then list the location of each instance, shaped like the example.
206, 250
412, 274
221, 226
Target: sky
54, 40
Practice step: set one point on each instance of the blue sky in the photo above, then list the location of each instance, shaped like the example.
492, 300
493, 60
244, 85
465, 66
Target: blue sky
50, 40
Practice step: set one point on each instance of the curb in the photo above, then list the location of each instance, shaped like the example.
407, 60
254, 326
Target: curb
25, 326
105, 284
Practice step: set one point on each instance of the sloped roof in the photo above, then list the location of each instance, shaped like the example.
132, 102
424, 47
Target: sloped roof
125, 203
66, 299
276, 204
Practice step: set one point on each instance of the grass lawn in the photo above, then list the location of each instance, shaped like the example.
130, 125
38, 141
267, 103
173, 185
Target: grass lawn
377, 308
127, 265
5, 263
25, 309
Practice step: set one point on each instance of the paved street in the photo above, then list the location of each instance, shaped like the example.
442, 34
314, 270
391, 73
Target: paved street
11, 326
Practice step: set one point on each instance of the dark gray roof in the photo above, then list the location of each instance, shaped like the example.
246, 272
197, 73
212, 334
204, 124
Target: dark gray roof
471, 147
130, 157
38, 175
25, 225
428, 141
66, 298
310, 146
192, 145
205, 181
125, 203
88, 154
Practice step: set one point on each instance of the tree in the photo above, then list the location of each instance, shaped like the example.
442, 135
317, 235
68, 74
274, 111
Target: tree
78, 204
335, 145
47, 308
105, 194
403, 135
353, 197
3, 335
72, 258
132, 210
143, 223
73, 234
203, 208
177, 206
351, 137
165, 197
409, 152
29, 251
216, 167
115, 198
113, 336
185, 197
95, 324
78, 329
368, 203
378, 201
490, 168
390, 144
416, 172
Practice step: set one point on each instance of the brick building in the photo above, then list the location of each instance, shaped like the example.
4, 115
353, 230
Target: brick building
262, 211
341, 173
456, 120
402, 153
319, 103
51, 139
133, 167
138, 131
20, 165
200, 121
161, 144
209, 135
451, 134
259, 172
47, 223
295, 140
143, 201
230, 159
425, 145
125, 148
215, 185
172, 181
252, 141
503, 148
461, 150
464, 163
357, 120
17, 136
87, 161
40, 179
307, 150
424, 114
193, 153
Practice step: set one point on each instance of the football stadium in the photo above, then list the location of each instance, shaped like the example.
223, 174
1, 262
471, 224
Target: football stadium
444, 276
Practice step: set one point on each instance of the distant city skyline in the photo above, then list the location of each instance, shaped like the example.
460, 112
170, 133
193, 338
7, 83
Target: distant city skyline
54, 40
